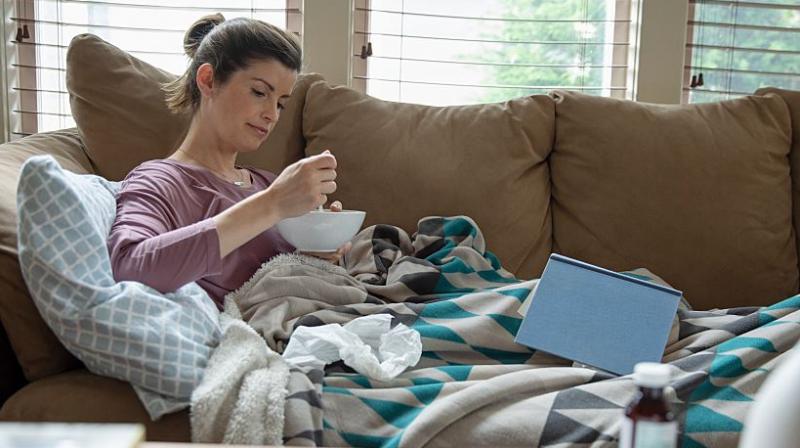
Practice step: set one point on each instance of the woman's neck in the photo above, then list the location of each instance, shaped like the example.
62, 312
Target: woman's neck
202, 146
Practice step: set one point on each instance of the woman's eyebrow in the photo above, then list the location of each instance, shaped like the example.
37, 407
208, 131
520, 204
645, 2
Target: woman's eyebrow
270, 86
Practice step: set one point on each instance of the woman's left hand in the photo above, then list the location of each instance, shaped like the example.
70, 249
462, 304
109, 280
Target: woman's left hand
332, 257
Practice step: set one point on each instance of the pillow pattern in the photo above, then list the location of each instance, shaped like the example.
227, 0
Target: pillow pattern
160, 343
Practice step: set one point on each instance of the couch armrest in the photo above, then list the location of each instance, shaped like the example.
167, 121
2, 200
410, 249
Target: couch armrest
38, 351
80, 396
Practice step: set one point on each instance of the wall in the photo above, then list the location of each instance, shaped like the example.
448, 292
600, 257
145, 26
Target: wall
662, 44
327, 40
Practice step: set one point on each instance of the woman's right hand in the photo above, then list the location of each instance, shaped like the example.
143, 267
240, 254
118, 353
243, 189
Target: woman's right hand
303, 185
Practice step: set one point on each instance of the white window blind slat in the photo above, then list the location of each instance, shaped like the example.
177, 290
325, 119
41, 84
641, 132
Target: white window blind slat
781, 4
743, 26
744, 72
494, 41
501, 86
498, 19
148, 29
735, 47
490, 50
505, 64
194, 6
38, 67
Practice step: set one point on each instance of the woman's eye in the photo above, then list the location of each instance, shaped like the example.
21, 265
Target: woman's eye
258, 92
281, 106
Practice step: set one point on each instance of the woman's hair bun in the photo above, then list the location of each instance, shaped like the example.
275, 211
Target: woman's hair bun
199, 30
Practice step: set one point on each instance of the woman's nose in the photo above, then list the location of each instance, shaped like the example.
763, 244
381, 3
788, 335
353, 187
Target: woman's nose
271, 112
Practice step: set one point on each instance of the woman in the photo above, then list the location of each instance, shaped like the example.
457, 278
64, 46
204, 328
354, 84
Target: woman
197, 216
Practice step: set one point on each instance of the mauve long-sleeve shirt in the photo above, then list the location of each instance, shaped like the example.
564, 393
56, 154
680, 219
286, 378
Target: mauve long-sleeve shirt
164, 235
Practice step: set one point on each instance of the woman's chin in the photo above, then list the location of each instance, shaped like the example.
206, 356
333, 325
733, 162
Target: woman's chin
252, 145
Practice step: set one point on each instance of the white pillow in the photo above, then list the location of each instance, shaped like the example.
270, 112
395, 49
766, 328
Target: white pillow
160, 343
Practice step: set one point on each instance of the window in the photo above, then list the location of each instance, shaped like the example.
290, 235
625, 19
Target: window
150, 30
734, 47
473, 51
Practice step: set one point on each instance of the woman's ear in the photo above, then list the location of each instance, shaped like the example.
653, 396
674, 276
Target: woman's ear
205, 79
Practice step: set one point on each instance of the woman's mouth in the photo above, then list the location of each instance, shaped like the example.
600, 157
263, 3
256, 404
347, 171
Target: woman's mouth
262, 132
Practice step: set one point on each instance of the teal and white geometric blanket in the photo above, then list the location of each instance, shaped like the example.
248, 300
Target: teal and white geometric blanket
474, 386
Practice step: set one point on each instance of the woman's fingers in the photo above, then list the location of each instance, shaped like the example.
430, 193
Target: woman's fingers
322, 161
336, 206
328, 187
327, 174
323, 175
344, 249
332, 257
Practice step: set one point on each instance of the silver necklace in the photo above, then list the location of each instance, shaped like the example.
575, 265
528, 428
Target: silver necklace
241, 183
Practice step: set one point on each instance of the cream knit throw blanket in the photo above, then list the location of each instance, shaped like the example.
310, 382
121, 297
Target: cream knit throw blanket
242, 396
241, 399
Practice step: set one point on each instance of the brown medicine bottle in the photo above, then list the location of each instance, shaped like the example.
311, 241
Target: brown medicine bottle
648, 421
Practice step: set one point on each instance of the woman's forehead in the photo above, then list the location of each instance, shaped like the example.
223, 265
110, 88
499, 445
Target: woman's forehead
271, 72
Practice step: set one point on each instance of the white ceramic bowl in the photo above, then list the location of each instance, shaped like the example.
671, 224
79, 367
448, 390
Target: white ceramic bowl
321, 231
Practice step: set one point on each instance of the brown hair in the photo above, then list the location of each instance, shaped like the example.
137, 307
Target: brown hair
228, 46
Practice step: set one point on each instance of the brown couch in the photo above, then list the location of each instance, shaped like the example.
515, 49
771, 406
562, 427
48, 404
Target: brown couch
704, 196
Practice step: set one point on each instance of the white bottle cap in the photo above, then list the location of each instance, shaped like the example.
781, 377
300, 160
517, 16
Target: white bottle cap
651, 374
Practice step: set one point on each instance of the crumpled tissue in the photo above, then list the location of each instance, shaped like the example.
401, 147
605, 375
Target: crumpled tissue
367, 344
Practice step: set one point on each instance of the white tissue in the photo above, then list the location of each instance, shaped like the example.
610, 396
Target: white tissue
366, 344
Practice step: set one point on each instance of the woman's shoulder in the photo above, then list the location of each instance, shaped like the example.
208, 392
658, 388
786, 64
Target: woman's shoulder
155, 166
158, 174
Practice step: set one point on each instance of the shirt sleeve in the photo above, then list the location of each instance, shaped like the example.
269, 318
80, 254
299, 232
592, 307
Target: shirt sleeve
150, 241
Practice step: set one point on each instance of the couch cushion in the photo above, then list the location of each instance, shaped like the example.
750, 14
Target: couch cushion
792, 99
119, 107
37, 349
699, 194
79, 396
402, 162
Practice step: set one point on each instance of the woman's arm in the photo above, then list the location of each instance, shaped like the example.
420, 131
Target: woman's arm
147, 245
299, 188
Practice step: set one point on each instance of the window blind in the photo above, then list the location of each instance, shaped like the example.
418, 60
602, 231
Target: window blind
735, 47
150, 30
473, 51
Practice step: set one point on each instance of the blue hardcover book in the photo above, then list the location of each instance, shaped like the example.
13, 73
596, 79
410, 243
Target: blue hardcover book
598, 317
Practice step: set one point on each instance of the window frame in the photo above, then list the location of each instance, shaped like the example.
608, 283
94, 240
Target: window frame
20, 109
689, 49
658, 74
645, 13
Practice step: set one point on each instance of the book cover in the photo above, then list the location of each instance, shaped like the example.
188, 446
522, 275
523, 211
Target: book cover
598, 317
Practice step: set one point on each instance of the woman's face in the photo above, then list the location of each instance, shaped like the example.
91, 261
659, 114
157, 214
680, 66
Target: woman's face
244, 110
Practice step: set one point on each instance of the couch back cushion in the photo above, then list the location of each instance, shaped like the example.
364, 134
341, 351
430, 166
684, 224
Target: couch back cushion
119, 107
402, 162
699, 194
38, 351
792, 98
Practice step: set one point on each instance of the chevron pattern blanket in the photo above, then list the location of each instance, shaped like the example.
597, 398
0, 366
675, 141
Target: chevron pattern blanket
474, 385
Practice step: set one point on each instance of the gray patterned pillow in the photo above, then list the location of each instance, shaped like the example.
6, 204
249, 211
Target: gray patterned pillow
160, 343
